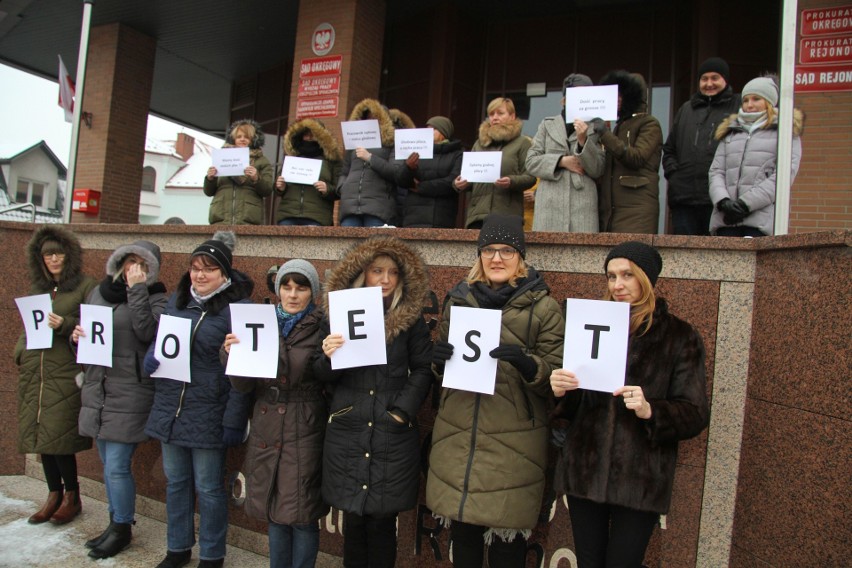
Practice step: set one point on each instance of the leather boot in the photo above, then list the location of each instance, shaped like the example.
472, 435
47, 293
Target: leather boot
175, 559
117, 540
54, 499
93, 543
70, 508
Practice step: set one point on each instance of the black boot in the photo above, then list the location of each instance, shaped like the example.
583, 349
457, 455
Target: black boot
212, 563
117, 540
175, 559
93, 543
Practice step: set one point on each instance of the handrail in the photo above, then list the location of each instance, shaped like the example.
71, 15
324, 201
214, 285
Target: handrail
21, 206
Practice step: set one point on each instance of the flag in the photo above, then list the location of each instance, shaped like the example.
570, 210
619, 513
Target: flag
66, 92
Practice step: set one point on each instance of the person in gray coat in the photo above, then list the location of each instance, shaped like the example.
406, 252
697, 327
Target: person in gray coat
116, 400
566, 157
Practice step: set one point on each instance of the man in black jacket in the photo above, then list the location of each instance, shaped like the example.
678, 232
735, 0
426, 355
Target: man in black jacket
689, 150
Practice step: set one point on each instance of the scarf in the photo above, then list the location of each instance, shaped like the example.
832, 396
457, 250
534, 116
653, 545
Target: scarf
113, 291
308, 149
751, 121
287, 321
202, 299
491, 298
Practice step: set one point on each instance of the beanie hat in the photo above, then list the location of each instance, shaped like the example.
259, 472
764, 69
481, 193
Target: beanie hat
576, 80
715, 65
764, 87
443, 125
219, 249
503, 229
303, 267
644, 256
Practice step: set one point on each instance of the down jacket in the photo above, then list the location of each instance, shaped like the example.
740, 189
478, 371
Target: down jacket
434, 202
744, 168
284, 458
489, 452
192, 414
48, 397
117, 399
371, 462
611, 456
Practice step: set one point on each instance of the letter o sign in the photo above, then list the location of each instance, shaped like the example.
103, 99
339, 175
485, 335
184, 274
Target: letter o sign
323, 39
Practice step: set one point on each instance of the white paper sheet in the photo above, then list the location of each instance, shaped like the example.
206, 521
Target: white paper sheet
230, 161
95, 348
408, 140
596, 334
256, 355
474, 333
481, 167
172, 348
587, 103
361, 134
34, 310
301, 170
359, 315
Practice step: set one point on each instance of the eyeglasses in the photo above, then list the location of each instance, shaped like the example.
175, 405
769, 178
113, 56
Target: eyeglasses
58, 255
206, 270
507, 253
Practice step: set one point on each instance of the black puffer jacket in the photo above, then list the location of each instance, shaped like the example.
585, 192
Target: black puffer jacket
435, 202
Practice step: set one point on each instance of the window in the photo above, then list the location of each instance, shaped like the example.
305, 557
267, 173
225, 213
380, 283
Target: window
31, 192
149, 179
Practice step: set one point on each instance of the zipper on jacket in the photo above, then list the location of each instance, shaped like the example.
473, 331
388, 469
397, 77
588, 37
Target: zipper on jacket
740, 167
40, 386
191, 342
529, 350
470, 456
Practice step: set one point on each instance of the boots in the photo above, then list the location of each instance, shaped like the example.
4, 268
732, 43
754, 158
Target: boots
93, 543
117, 540
54, 499
212, 563
175, 559
70, 508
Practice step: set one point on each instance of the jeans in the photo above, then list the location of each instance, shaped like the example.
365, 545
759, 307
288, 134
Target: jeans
191, 471
361, 221
609, 536
369, 541
118, 479
691, 219
299, 222
293, 546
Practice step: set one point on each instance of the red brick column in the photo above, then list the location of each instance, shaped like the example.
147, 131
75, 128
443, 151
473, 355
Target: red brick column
120, 70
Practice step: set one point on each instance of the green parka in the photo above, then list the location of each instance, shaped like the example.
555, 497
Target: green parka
48, 396
489, 452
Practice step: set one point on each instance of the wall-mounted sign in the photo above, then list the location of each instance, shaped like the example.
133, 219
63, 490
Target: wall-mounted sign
319, 86
818, 50
826, 21
316, 108
809, 79
322, 39
825, 49
319, 66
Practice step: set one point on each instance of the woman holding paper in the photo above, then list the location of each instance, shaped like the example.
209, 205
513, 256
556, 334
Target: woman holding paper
617, 463
238, 200
303, 204
117, 399
371, 457
489, 452
197, 418
284, 459
48, 396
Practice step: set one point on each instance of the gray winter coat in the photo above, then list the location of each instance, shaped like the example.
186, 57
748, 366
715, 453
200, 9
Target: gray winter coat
565, 201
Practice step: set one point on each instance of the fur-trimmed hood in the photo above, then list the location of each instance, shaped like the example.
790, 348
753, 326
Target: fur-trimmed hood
371, 108
72, 271
731, 123
145, 249
413, 278
259, 137
633, 90
400, 119
329, 145
499, 133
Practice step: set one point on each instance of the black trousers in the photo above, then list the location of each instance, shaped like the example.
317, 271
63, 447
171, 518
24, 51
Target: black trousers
469, 548
609, 536
59, 469
691, 219
739, 231
369, 541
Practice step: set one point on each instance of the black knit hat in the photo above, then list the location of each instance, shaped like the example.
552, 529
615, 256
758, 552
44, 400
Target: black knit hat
503, 229
715, 65
219, 249
644, 256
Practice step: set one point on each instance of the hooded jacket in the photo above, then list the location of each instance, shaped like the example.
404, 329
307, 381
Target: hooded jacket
435, 201
371, 462
487, 198
489, 453
629, 192
369, 188
48, 396
237, 200
744, 168
304, 201
117, 399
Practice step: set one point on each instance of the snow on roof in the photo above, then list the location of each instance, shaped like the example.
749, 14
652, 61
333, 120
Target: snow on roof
192, 174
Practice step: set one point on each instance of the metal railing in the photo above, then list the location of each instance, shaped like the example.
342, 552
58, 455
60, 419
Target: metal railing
21, 206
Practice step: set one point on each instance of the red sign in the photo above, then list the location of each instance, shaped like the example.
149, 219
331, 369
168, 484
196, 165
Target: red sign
827, 21
810, 79
316, 108
319, 66
826, 49
319, 86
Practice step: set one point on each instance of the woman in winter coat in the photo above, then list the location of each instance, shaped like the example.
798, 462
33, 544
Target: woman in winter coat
368, 178
432, 201
617, 464
238, 200
48, 394
371, 458
566, 158
489, 452
501, 132
284, 458
303, 204
197, 420
629, 193
117, 399
742, 175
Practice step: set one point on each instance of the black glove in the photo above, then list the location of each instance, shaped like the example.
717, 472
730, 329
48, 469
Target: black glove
150, 363
441, 353
739, 206
732, 211
515, 356
232, 436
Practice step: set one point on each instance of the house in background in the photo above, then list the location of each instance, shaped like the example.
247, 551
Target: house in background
32, 175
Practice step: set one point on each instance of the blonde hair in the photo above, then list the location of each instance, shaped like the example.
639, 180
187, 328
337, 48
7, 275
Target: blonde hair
477, 272
247, 129
641, 311
382, 260
501, 101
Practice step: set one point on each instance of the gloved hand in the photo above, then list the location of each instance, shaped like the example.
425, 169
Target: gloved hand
515, 356
732, 212
232, 436
151, 363
739, 206
441, 353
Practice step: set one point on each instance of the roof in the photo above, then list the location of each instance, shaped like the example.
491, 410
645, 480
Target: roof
9, 153
191, 175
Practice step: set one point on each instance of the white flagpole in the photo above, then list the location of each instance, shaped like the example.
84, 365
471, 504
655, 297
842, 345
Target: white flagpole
785, 120
78, 107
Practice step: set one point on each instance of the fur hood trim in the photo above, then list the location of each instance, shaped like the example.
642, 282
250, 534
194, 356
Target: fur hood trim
400, 119
413, 278
499, 133
633, 91
730, 124
72, 271
259, 137
145, 249
330, 148
371, 108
